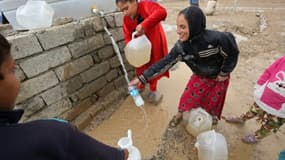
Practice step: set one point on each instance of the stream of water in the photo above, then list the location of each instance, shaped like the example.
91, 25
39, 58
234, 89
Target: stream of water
117, 50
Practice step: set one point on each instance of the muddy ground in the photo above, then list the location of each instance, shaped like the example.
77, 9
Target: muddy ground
259, 28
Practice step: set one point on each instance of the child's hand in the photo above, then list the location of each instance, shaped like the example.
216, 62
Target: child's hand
134, 82
126, 153
140, 30
221, 78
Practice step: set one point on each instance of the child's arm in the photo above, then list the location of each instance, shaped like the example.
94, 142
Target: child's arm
81, 146
127, 32
162, 65
267, 72
157, 14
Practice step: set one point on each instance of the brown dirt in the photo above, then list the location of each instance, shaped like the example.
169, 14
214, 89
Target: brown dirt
258, 48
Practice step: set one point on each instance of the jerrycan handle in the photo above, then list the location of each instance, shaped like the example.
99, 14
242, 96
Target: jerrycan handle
130, 136
214, 136
134, 34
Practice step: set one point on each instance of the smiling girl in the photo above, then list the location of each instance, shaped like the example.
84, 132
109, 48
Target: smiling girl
211, 55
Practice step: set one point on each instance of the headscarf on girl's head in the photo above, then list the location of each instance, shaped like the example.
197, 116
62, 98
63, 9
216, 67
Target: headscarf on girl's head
196, 20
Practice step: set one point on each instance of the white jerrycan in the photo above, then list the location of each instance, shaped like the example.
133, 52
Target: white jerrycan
199, 121
211, 146
35, 14
138, 50
127, 142
211, 7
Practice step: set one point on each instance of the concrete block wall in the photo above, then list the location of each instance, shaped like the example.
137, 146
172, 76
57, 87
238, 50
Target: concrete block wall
69, 69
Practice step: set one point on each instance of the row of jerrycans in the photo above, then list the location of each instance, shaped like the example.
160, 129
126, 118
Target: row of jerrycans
210, 144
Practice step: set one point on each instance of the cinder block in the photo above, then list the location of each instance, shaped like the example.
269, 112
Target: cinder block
24, 45
71, 69
36, 85
59, 35
85, 46
45, 61
95, 72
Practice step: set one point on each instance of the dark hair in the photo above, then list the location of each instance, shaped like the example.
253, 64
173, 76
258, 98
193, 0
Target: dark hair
4, 51
124, 1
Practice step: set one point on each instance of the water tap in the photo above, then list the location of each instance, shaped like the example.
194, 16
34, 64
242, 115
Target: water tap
101, 14
95, 10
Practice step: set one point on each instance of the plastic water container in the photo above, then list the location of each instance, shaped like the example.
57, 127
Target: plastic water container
136, 96
211, 7
138, 50
127, 142
211, 146
35, 14
198, 121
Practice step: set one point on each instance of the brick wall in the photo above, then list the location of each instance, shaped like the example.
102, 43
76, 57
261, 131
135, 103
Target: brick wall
69, 69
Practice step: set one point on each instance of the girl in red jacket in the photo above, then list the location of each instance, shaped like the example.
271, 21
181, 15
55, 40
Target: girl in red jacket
145, 18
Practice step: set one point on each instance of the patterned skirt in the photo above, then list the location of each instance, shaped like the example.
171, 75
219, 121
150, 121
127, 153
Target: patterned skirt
206, 93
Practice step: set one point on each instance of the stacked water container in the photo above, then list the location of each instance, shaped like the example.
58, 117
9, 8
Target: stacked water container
210, 144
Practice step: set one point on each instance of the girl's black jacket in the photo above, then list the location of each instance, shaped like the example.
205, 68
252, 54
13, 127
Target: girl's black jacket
209, 54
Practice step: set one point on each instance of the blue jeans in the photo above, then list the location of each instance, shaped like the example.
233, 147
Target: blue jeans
1, 17
194, 3
282, 155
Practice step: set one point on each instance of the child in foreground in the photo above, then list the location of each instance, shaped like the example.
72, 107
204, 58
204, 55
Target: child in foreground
41, 139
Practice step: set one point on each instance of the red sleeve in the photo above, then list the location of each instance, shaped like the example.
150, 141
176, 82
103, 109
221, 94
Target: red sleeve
156, 14
126, 31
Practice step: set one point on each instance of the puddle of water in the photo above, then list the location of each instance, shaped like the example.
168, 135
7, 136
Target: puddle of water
147, 123
145, 118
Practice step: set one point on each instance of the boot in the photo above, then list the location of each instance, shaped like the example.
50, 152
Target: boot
155, 97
